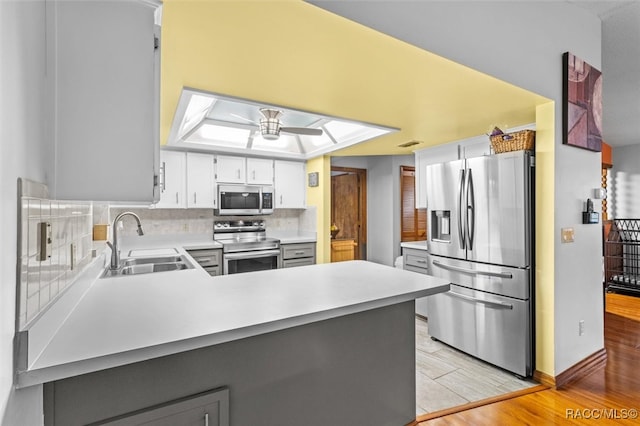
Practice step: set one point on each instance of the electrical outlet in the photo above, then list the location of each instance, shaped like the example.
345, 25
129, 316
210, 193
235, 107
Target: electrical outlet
567, 235
185, 227
74, 256
580, 327
45, 241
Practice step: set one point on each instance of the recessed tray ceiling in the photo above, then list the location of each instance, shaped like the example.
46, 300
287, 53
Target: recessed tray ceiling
209, 121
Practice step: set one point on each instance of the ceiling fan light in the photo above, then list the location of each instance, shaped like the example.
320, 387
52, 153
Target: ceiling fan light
270, 113
270, 128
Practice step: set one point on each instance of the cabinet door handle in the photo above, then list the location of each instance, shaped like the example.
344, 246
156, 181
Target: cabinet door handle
177, 199
206, 419
194, 198
421, 261
254, 175
163, 176
280, 199
238, 173
299, 252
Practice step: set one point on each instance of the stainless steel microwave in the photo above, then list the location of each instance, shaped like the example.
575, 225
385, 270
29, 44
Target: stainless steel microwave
244, 200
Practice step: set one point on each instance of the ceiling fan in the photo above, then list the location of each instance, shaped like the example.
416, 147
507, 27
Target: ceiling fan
271, 126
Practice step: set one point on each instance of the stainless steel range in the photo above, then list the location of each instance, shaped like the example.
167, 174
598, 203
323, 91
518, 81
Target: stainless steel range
245, 246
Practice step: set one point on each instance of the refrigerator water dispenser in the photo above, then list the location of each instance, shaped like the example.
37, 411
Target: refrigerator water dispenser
441, 225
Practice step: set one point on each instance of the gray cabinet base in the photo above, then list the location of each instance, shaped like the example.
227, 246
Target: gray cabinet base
354, 369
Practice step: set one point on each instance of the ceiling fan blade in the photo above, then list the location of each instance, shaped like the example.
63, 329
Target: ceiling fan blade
301, 131
244, 118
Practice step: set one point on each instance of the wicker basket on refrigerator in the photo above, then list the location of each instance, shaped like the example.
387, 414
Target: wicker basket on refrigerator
515, 141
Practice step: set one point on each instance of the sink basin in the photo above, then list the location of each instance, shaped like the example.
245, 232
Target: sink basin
147, 260
147, 268
147, 265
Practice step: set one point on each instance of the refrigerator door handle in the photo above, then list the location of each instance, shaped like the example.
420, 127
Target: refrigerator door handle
471, 212
505, 275
499, 305
461, 232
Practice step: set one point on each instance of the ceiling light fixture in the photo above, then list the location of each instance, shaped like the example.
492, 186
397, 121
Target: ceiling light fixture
210, 121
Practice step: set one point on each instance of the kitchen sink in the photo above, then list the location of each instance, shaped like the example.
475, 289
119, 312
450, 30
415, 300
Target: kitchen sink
132, 261
147, 265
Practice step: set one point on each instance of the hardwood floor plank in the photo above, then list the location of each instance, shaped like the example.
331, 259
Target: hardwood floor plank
607, 396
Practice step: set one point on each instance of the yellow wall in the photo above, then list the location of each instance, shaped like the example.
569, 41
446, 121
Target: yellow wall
545, 253
320, 197
293, 54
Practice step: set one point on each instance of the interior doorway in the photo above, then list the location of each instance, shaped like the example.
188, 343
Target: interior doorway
413, 221
348, 214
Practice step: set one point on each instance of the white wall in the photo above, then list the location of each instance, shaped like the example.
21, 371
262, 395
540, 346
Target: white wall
522, 43
24, 151
383, 202
624, 190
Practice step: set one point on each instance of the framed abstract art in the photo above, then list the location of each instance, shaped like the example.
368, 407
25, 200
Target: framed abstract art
582, 104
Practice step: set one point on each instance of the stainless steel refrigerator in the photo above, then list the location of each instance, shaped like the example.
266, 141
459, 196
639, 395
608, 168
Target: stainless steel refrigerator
480, 219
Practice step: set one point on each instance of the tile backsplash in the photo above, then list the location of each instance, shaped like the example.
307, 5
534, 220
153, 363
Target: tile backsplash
41, 281
200, 221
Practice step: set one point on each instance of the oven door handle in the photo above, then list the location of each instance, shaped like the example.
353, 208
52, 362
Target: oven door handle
251, 254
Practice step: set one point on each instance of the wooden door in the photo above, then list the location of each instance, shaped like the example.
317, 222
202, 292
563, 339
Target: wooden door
345, 205
349, 207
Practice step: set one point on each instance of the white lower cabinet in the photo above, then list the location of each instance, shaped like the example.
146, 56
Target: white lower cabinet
172, 180
298, 254
415, 260
208, 408
290, 187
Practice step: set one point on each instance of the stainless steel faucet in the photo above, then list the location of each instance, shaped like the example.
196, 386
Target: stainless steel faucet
115, 250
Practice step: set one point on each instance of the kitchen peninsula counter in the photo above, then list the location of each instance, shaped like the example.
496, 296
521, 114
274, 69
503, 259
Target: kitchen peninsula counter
125, 321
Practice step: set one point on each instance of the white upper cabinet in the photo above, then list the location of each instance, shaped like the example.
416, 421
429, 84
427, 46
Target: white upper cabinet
290, 188
200, 181
172, 180
103, 72
230, 169
260, 171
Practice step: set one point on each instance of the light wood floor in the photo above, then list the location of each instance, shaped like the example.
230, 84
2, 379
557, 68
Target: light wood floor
611, 393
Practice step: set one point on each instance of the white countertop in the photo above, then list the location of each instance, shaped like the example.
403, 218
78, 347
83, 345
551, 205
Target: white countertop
418, 245
292, 237
122, 320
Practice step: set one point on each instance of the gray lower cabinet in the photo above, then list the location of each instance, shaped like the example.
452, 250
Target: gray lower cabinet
298, 254
205, 409
415, 260
209, 259
354, 369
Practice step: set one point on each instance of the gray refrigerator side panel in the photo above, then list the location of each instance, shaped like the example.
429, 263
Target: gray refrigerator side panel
499, 202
